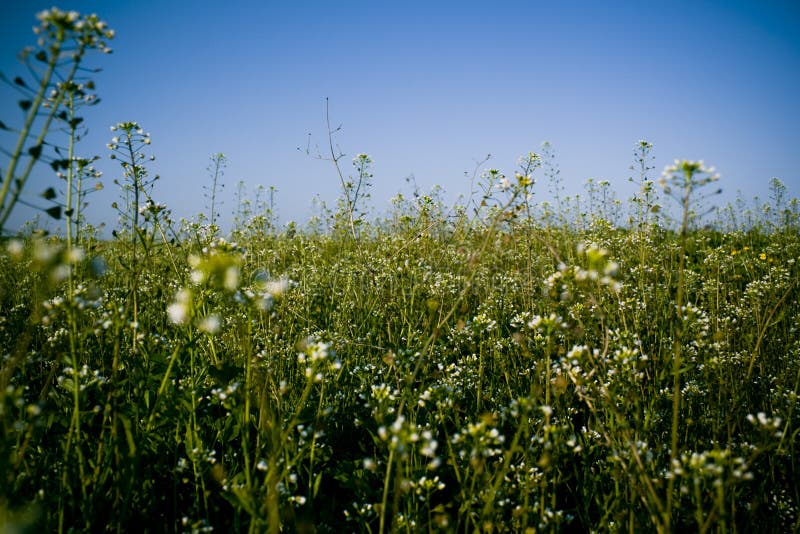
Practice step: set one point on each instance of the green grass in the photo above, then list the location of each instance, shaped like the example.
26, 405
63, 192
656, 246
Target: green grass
501, 365
513, 371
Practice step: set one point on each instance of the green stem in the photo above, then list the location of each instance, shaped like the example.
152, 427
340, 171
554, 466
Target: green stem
70, 172
385, 498
134, 233
26, 128
163, 386
677, 354
6, 208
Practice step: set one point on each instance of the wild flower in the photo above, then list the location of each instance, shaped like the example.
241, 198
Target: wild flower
179, 312
209, 324
478, 440
768, 423
15, 248
508, 371
319, 360
550, 323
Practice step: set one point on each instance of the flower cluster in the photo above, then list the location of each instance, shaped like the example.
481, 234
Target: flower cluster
404, 437
319, 360
88, 30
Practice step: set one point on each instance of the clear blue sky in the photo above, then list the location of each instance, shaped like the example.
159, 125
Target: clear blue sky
429, 88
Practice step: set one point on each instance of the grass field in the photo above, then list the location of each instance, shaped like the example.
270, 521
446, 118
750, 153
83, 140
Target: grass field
519, 369
502, 364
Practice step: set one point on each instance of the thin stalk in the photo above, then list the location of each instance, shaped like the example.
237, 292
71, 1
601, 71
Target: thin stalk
163, 386
26, 128
385, 496
77, 212
134, 235
349, 202
6, 208
70, 171
677, 352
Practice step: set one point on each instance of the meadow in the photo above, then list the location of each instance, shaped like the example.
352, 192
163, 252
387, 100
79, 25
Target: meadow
502, 364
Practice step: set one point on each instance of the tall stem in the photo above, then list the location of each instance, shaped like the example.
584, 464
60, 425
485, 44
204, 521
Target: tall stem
70, 172
134, 235
677, 350
349, 200
5, 209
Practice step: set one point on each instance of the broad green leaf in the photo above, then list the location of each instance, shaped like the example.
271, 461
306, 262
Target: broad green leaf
54, 212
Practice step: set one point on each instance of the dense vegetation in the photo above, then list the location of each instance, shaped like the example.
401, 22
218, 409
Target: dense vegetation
503, 365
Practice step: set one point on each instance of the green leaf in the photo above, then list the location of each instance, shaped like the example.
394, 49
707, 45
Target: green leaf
67, 383
49, 194
57, 164
25, 104
35, 151
54, 212
41, 55
126, 424
19, 81
3, 126
317, 483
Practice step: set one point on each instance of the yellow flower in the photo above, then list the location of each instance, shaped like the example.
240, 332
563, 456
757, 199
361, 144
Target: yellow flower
524, 181
763, 256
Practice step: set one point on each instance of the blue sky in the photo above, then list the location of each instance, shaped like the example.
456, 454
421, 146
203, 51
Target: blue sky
430, 88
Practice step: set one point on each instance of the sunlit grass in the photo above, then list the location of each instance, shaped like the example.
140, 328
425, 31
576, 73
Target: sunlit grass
505, 364
493, 373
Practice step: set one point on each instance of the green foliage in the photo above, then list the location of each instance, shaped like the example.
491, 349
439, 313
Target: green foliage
216, 168
501, 366
64, 38
446, 374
